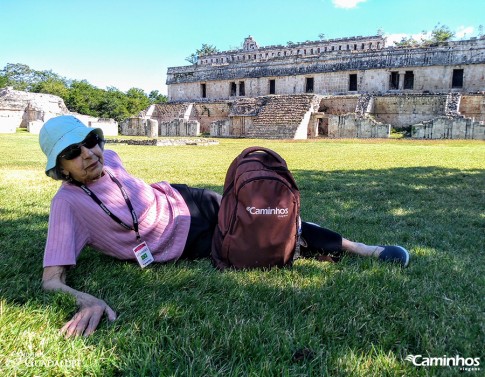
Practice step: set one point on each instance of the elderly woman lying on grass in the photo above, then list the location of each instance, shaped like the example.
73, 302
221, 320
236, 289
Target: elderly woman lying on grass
100, 204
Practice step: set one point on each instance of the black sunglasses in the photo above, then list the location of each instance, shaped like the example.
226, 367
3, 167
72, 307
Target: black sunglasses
74, 150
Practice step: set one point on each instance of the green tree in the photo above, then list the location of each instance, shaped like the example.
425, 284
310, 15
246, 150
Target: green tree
113, 105
192, 58
439, 34
206, 49
136, 101
407, 42
156, 97
52, 85
3, 81
22, 77
79, 95
84, 98
19, 76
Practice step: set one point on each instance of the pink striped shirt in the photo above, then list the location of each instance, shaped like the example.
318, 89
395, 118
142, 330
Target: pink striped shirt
76, 220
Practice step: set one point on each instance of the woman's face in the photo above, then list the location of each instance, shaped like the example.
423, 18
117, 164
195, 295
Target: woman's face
87, 166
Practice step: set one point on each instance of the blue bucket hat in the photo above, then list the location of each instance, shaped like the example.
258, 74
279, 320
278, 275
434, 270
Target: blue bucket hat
57, 134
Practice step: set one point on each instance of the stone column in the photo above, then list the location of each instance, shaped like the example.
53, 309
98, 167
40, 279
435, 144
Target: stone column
151, 128
401, 80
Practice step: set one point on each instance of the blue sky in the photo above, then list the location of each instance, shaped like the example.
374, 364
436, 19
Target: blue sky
127, 43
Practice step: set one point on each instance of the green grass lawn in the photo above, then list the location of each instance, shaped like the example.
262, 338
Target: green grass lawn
355, 318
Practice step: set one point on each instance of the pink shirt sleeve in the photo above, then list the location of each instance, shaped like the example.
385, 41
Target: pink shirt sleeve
65, 236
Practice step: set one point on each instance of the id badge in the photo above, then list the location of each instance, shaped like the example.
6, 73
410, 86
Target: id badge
143, 254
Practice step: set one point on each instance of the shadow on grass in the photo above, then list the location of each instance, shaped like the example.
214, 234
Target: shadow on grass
314, 318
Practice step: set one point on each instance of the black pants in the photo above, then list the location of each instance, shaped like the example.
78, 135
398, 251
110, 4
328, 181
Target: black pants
204, 206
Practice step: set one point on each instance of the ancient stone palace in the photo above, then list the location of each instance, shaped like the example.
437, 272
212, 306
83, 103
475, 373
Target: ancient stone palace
349, 87
330, 67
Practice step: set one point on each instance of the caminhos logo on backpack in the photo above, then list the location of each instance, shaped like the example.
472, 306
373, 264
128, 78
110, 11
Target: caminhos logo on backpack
280, 212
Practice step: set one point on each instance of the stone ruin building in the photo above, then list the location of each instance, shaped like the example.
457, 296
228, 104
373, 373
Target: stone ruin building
348, 87
20, 109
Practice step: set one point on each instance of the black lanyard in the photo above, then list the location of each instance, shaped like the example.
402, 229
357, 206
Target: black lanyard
108, 212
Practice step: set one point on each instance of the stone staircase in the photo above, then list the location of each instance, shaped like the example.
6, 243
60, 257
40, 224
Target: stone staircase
168, 111
452, 104
363, 104
280, 116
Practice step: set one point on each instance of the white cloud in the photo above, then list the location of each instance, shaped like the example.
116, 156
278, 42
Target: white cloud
461, 32
391, 39
464, 31
347, 4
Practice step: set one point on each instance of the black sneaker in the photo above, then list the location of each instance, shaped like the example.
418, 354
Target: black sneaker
395, 254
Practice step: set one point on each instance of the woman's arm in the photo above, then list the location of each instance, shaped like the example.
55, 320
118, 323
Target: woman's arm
91, 309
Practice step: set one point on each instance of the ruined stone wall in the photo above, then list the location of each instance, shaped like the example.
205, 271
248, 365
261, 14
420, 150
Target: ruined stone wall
272, 132
432, 67
473, 106
220, 128
133, 127
18, 108
449, 128
165, 112
426, 79
32, 110
405, 110
179, 127
351, 126
251, 51
207, 113
338, 105
9, 121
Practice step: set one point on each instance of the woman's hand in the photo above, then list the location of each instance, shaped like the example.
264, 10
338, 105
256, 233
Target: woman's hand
91, 309
85, 321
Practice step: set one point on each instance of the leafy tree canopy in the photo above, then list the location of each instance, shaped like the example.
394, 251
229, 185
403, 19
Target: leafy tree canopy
22, 77
439, 34
206, 49
79, 95
407, 42
156, 97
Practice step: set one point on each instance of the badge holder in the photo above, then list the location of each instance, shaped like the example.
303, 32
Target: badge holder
143, 254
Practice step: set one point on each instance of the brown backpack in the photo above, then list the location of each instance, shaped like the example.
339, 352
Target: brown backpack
259, 218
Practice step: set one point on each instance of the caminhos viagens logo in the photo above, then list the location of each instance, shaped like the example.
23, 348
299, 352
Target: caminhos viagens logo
464, 363
280, 212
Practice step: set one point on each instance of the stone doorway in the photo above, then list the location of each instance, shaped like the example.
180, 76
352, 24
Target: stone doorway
318, 126
240, 126
322, 127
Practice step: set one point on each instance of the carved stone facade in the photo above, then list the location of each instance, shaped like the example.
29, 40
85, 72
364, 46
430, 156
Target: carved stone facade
353, 126
309, 115
180, 127
449, 128
350, 87
335, 67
